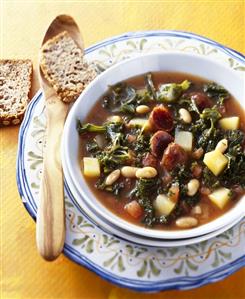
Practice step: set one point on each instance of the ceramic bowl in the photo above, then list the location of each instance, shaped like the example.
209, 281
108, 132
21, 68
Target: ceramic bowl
169, 62
114, 230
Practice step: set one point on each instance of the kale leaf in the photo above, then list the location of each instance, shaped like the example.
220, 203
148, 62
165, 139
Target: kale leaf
115, 188
89, 128
92, 147
150, 86
141, 146
144, 191
205, 128
216, 92
234, 174
113, 157
115, 152
209, 179
124, 99
171, 92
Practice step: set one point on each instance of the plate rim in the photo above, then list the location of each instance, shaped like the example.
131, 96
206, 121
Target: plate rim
173, 33
184, 282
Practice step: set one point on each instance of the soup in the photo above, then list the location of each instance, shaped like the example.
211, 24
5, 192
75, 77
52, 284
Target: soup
165, 150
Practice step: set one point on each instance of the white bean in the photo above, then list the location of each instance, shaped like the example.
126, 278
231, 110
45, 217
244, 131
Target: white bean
146, 172
142, 109
186, 222
112, 177
129, 171
185, 115
192, 187
222, 145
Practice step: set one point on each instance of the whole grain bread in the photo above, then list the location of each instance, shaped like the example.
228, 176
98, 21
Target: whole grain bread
63, 66
15, 86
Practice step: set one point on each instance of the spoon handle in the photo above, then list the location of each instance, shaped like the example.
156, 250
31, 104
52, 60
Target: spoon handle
50, 231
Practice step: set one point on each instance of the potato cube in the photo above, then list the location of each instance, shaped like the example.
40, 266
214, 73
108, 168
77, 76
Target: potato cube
229, 123
91, 167
215, 161
163, 205
220, 197
184, 139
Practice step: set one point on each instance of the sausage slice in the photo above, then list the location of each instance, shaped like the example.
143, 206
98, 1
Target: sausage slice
159, 142
173, 155
161, 119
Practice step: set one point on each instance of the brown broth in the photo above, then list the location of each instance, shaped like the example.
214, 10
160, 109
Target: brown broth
98, 115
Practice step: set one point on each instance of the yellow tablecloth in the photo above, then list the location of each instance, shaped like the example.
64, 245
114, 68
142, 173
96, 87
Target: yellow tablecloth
23, 273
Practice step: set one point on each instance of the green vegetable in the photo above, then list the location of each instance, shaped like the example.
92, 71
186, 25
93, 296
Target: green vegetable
235, 171
182, 175
86, 128
121, 99
209, 179
92, 147
188, 103
113, 156
115, 152
184, 205
172, 91
124, 99
205, 128
114, 132
150, 86
144, 191
141, 146
216, 92
145, 187
116, 188
127, 108
211, 114
110, 128
234, 174
143, 96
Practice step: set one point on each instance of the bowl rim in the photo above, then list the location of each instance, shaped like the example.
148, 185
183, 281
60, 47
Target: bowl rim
186, 233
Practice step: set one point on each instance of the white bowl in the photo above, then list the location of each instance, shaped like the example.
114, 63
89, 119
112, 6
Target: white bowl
166, 62
108, 227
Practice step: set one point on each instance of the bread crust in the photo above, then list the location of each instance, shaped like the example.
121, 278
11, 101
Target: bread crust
15, 88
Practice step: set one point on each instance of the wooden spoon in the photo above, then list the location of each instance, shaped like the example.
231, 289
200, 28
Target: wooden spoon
50, 232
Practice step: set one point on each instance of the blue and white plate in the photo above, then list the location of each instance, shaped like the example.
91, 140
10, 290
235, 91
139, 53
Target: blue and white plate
139, 267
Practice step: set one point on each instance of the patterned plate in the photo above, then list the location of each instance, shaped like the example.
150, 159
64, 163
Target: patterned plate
125, 263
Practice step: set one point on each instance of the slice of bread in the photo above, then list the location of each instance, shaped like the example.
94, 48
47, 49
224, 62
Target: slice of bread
63, 66
15, 86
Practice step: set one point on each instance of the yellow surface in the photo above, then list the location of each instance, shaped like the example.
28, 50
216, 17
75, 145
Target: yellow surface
23, 273
215, 161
